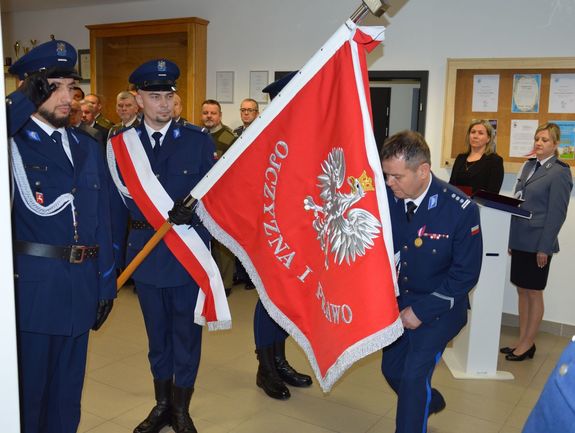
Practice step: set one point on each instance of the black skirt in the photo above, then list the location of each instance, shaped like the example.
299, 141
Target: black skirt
525, 273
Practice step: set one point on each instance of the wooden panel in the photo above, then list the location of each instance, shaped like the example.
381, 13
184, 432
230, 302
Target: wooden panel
459, 94
118, 48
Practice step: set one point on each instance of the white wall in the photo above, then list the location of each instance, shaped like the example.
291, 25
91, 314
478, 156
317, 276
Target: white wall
277, 35
9, 406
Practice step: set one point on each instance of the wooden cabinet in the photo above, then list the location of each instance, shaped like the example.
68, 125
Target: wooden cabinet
119, 48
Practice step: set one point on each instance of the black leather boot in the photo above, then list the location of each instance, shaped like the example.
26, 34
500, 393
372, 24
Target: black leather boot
159, 417
181, 421
267, 377
286, 371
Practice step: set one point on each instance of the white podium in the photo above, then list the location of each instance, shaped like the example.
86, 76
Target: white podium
475, 350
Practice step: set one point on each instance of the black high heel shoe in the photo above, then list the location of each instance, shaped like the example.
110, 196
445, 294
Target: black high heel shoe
528, 354
506, 350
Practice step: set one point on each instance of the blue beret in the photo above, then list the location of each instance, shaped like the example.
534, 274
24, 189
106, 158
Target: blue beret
159, 75
58, 58
274, 88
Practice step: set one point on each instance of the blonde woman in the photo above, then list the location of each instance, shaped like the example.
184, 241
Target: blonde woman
544, 184
479, 167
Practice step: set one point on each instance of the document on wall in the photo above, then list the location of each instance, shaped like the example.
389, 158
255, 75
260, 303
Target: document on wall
526, 93
562, 93
521, 138
485, 93
566, 148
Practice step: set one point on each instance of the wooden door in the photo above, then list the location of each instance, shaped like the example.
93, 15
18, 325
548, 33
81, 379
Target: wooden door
117, 49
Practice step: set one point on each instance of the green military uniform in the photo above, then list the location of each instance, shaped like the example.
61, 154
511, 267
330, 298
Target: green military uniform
223, 137
103, 122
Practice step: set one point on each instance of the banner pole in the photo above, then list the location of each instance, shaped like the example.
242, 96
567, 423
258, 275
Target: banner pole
150, 245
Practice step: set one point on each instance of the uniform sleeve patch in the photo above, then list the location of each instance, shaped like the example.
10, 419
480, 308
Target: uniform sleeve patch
475, 230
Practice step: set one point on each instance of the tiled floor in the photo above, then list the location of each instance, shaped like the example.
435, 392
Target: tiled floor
118, 391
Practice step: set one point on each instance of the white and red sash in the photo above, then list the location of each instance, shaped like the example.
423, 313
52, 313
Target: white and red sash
183, 241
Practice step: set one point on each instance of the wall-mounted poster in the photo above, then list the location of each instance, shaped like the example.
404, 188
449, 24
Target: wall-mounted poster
526, 93
521, 137
562, 93
225, 87
485, 93
259, 80
566, 148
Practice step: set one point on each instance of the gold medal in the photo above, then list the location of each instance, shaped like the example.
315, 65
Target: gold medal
418, 242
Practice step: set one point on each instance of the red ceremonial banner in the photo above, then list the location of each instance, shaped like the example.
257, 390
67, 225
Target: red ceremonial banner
303, 205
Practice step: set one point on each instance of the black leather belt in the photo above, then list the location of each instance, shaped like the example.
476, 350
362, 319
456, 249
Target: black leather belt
140, 225
72, 253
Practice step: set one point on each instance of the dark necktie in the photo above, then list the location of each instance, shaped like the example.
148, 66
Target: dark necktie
410, 206
537, 165
156, 136
532, 173
57, 137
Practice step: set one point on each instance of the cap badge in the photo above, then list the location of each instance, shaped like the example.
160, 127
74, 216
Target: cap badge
61, 49
161, 66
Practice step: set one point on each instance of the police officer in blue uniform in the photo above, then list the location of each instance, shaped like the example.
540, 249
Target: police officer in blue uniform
179, 155
64, 266
436, 236
274, 371
555, 409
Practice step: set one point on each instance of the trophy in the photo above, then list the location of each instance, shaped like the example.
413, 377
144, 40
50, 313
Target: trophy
17, 48
33, 43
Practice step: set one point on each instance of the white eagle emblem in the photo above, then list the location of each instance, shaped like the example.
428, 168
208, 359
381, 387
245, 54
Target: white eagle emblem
343, 232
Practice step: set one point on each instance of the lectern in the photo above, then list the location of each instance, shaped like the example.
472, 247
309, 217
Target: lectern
475, 350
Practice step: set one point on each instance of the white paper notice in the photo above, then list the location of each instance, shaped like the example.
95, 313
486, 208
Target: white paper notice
521, 138
526, 93
562, 93
485, 93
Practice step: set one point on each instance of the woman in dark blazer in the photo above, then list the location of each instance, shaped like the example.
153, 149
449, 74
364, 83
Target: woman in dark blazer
479, 167
544, 184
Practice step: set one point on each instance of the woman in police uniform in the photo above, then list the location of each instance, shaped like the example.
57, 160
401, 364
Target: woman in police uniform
545, 184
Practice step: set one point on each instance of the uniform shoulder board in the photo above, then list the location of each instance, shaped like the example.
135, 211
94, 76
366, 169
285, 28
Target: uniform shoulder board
562, 163
456, 194
192, 127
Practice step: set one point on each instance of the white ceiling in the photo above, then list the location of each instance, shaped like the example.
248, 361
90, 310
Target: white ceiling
31, 5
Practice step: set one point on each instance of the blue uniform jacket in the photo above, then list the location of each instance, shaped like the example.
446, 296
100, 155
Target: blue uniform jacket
440, 251
555, 409
186, 155
54, 296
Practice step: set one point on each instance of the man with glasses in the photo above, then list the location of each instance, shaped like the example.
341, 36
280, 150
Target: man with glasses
249, 110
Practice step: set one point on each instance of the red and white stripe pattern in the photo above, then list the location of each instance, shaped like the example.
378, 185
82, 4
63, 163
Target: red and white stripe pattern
183, 241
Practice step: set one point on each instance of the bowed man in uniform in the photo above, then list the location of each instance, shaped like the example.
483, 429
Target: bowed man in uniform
178, 155
437, 238
63, 258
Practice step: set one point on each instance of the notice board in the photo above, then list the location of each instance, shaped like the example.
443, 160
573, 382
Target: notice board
517, 92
